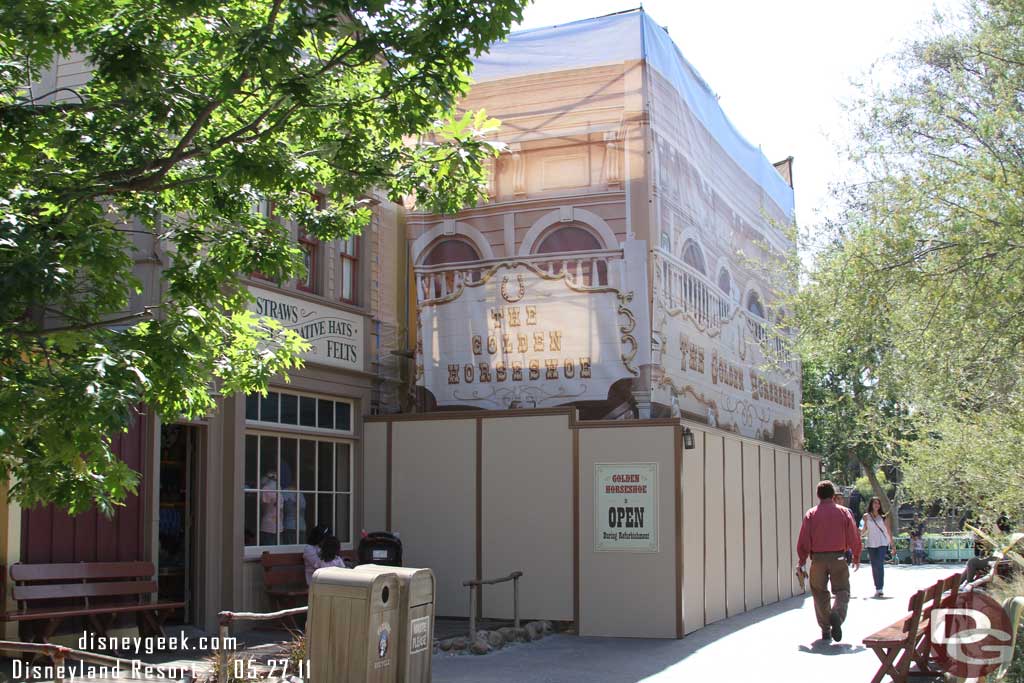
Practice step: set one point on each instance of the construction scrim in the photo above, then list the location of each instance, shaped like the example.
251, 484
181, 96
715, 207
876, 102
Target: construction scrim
624, 259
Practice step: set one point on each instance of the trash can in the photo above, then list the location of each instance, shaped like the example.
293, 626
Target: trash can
380, 547
352, 626
417, 591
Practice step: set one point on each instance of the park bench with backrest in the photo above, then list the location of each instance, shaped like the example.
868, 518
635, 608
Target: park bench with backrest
284, 579
908, 641
48, 594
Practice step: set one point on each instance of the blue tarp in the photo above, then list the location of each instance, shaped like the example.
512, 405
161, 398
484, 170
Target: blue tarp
622, 37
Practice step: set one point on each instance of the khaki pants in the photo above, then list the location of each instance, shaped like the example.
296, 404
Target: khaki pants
825, 568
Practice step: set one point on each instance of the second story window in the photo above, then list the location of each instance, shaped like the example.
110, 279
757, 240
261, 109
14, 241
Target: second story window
349, 254
310, 247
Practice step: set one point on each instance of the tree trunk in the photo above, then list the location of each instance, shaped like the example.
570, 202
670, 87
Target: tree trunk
887, 506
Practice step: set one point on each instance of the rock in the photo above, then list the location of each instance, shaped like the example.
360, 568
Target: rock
445, 644
480, 647
481, 634
460, 643
534, 631
496, 640
508, 633
520, 634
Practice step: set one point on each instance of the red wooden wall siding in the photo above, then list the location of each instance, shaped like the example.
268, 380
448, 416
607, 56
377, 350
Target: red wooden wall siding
49, 535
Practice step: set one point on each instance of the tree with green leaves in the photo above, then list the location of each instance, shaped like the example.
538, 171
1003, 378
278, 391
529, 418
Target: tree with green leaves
194, 112
921, 283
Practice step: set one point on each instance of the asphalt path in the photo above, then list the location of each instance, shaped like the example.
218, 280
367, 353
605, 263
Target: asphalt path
780, 642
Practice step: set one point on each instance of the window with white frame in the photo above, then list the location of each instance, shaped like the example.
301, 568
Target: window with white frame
292, 484
298, 473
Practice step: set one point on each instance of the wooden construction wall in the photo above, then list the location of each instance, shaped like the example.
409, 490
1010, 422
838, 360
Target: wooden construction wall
485, 493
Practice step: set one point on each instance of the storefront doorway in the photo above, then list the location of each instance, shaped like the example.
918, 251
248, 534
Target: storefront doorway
179, 460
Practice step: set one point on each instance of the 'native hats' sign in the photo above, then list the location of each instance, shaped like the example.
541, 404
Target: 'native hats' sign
335, 336
626, 507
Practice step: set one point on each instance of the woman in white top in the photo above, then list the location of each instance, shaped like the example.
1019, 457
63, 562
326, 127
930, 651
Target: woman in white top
311, 552
879, 539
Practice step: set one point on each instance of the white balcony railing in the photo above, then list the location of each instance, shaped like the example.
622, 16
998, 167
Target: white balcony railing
684, 288
589, 270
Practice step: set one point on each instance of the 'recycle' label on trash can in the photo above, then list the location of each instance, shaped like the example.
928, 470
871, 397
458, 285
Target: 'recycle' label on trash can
419, 635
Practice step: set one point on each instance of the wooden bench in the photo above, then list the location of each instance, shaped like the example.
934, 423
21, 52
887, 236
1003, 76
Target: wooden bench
908, 641
99, 591
284, 579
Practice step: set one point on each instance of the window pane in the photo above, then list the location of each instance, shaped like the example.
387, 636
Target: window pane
252, 406
344, 467
252, 463
307, 262
268, 463
346, 279
307, 411
325, 510
268, 407
270, 517
325, 462
289, 464
251, 514
289, 518
289, 409
342, 529
343, 416
325, 414
307, 514
307, 465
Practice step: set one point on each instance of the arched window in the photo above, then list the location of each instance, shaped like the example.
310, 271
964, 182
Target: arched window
569, 238
451, 251
754, 305
584, 271
693, 257
725, 282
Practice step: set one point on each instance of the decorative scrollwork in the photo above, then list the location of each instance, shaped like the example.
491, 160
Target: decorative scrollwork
627, 336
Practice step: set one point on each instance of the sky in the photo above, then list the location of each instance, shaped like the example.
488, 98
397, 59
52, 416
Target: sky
780, 69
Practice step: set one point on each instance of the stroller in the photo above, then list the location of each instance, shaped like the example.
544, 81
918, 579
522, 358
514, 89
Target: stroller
380, 547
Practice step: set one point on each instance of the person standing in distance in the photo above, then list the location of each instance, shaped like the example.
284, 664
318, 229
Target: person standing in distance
879, 537
827, 532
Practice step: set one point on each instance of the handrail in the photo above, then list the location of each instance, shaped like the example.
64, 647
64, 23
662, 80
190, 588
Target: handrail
491, 582
476, 585
58, 654
226, 617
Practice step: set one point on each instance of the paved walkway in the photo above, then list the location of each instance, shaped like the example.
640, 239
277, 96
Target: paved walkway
774, 643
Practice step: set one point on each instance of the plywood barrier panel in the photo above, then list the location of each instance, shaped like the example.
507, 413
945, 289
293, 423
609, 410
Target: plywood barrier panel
795, 515
782, 495
751, 525
810, 494
627, 593
714, 525
526, 480
769, 535
734, 522
693, 535
433, 501
375, 475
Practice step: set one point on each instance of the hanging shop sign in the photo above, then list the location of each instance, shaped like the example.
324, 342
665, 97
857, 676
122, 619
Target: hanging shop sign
335, 336
519, 336
626, 507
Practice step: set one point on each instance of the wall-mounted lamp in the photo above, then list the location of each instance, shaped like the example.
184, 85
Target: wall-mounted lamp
687, 438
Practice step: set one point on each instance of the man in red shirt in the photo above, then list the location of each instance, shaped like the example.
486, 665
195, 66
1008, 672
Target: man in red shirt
827, 532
